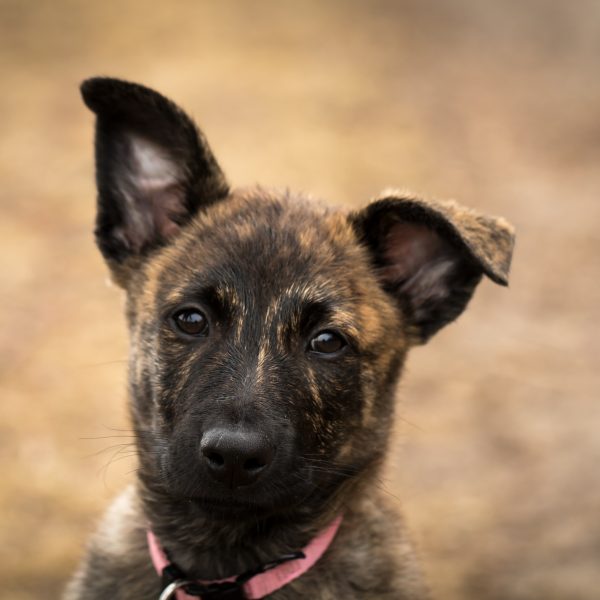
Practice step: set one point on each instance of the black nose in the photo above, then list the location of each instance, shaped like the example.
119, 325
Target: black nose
235, 457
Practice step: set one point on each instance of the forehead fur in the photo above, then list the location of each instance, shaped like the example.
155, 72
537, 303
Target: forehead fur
259, 246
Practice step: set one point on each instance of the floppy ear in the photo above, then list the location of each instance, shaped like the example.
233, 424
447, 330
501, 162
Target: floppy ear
154, 169
431, 255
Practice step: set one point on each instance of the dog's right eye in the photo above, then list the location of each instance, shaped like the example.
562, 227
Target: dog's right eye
191, 321
327, 342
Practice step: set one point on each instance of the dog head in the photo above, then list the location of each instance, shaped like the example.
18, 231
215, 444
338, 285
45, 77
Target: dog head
267, 331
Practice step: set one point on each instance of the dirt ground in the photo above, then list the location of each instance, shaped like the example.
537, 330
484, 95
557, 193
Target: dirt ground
494, 103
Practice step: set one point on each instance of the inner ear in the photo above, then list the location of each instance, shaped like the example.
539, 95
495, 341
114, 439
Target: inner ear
432, 277
412, 251
153, 189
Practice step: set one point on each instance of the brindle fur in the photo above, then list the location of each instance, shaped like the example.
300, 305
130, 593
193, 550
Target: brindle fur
270, 269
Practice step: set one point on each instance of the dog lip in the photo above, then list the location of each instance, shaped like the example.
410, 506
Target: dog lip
224, 503
227, 505
240, 502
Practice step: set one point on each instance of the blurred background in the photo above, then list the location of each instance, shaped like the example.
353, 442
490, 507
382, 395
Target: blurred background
497, 458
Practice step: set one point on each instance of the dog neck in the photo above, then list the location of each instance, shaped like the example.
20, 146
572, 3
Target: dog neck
208, 546
262, 581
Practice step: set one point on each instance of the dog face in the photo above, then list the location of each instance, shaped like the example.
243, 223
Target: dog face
267, 331
261, 332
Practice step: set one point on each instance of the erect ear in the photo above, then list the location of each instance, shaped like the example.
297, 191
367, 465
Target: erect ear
431, 255
154, 169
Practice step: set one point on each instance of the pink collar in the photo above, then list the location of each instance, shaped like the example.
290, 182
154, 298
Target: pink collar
261, 584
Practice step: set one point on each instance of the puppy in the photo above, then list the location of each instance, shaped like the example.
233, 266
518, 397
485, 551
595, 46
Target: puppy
267, 337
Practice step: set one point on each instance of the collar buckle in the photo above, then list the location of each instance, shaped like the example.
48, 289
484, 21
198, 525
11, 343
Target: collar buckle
170, 590
224, 590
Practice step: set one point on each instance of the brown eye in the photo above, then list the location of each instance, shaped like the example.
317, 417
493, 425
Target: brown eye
191, 321
327, 342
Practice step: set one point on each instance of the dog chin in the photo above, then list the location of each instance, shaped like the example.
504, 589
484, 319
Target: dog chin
228, 506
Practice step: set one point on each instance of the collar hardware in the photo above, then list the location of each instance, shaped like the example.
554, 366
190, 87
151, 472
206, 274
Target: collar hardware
173, 579
171, 589
228, 590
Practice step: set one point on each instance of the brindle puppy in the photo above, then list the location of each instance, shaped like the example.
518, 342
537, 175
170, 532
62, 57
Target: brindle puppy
267, 336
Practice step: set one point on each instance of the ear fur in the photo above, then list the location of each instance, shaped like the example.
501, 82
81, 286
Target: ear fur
154, 169
430, 255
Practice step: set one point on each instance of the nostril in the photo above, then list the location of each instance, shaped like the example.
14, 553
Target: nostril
215, 459
254, 464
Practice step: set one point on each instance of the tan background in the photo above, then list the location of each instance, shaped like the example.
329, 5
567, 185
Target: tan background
496, 103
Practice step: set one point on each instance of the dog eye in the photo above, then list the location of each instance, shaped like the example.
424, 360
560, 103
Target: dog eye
327, 342
191, 321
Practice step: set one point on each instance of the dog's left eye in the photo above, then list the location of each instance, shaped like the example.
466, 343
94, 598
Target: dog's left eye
327, 342
191, 321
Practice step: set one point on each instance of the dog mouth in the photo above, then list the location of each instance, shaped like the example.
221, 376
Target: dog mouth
260, 502
224, 504
227, 507
279, 491
266, 498
302, 488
